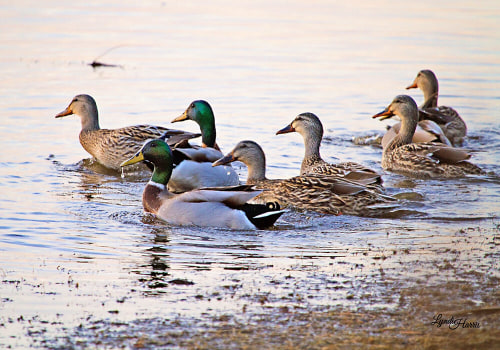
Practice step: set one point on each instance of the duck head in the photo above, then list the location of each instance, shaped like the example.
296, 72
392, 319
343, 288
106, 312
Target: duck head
158, 153
245, 151
403, 106
201, 112
304, 124
86, 108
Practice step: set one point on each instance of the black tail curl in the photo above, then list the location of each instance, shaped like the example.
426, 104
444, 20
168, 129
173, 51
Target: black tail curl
263, 215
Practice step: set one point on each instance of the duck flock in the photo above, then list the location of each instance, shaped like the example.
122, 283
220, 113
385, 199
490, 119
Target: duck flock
196, 185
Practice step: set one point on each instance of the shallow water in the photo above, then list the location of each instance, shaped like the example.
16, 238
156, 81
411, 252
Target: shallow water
75, 246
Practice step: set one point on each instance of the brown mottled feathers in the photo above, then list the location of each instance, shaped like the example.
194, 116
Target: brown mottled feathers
421, 160
323, 194
310, 128
112, 146
316, 192
428, 160
447, 118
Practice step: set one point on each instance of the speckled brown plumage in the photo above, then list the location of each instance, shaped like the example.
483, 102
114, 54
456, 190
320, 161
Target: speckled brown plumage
316, 192
447, 118
421, 160
111, 147
309, 126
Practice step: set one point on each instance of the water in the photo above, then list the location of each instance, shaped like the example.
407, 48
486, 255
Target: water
76, 248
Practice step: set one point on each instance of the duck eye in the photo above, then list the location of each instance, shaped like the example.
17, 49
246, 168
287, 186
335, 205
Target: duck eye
192, 105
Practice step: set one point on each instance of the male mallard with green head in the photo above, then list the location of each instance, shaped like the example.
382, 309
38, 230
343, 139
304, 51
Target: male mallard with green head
216, 207
194, 163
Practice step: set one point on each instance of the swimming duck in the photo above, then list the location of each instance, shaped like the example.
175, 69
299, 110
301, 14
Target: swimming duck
447, 118
110, 147
320, 193
216, 207
426, 131
309, 126
194, 163
421, 160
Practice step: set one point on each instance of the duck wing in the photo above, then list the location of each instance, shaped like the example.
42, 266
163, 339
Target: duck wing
199, 154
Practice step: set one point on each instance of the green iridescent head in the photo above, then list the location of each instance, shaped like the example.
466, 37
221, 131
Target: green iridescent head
158, 153
201, 112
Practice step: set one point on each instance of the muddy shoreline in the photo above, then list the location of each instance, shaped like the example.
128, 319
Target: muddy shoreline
382, 297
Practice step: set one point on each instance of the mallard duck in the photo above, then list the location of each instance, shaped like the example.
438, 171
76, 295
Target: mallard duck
426, 131
309, 126
194, 163
421, 160
320, 193
110, 147
217, 207
447, 118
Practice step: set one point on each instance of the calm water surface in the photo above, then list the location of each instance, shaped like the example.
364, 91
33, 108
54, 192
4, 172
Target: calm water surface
74, 243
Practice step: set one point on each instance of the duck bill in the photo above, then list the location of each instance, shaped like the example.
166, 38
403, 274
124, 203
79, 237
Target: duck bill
139, 157
64, 113
412, 86
286, 129
385, 114
183, 116
224, 160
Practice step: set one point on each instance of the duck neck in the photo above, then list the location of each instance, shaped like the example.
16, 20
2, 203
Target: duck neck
312, 143
161, 174
90, 118
431, 92
256, 170
208, 136
406, 132
206, 121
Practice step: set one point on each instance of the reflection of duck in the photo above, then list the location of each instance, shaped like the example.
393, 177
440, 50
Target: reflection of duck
194, 163
309, 126
447, 118
219, 207
110, 147
324, 194
422, 160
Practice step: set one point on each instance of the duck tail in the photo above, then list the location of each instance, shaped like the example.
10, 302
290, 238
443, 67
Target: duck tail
262, 215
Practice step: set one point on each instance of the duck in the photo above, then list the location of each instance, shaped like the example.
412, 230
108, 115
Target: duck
310, 127
447, 118
426, 131
193, 164
421, 160
312, 192
224, 207
110, 147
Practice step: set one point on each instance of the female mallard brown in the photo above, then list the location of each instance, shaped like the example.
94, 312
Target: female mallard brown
421, 160
447, 118
309, 126
219, 207
110, 147
426, 131
320, 193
